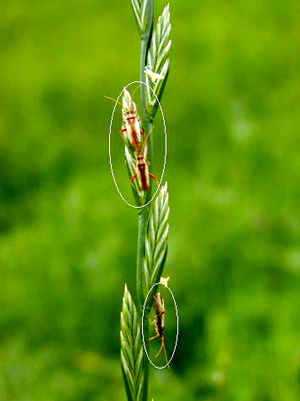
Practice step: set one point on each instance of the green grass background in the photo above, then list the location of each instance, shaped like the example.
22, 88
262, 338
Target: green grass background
68, 241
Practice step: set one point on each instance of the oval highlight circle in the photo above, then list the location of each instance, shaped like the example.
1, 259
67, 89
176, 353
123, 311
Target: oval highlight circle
109, 146
177, 331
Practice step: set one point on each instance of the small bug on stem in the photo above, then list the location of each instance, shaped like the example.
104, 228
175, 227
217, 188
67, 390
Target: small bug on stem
132, 130
142, 172
132, 127
135, 142
159, 323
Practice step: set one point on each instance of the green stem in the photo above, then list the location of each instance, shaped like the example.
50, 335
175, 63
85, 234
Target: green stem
142, 225
144, 212
143, 221
143, 218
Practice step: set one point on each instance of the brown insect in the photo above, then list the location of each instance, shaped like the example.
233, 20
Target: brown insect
142, 171
135, 140
132, 127
132, 132
159, 323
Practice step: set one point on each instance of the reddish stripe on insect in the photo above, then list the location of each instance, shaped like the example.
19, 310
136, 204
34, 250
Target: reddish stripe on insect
142, 173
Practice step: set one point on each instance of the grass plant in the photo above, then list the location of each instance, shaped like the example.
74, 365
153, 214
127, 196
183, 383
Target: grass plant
153, 224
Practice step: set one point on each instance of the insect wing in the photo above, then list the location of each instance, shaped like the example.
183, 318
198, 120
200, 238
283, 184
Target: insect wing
143, 174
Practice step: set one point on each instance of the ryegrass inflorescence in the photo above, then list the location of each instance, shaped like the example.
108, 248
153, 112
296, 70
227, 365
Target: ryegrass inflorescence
153, 222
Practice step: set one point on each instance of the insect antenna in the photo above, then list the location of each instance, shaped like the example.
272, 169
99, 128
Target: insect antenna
114, 100
144, 143
163, 347
119, 103
134, 90
166, 356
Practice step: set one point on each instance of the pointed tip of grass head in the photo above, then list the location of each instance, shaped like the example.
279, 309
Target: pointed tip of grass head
128, 103
125, 292
166, 12
163, 195
126, 297
125, 99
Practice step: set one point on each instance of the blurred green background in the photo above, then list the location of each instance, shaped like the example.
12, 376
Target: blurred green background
68, 241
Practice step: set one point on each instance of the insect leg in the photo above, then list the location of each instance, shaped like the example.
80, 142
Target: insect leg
161, 313
153, 338
166, 356
153, 176
161, 347
133, 178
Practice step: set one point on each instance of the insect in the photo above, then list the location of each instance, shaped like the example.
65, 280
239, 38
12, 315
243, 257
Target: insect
132, 127
142, 172
135, 141
159, 322
131, 130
